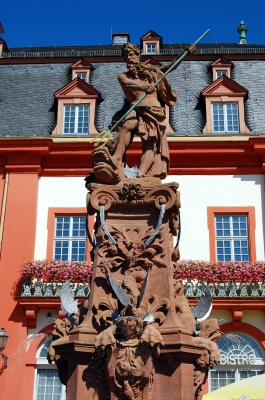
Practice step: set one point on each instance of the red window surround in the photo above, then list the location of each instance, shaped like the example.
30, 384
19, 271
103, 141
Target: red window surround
249, 211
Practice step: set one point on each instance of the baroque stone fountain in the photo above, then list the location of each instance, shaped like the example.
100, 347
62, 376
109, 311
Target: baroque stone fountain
136, 337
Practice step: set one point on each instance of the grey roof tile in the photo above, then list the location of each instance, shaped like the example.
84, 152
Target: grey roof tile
251, 75
27, 105
103, 77
26, 98
187, 116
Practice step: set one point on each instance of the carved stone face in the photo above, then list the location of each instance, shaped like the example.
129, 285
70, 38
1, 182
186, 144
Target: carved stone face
132, 61
132, 57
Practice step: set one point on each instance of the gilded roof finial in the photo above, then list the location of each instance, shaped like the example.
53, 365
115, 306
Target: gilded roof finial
242, 30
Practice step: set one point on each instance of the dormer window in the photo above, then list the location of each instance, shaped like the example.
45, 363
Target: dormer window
151, 48
151, 43
221, 67
224, 100
81, 69
76, 109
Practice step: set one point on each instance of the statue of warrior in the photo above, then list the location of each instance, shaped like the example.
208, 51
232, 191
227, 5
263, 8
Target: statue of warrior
148, 120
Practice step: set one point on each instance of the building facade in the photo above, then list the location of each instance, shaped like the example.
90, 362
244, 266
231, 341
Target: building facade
53, 101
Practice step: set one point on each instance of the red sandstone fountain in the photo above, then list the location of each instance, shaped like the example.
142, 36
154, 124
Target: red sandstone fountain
136, 337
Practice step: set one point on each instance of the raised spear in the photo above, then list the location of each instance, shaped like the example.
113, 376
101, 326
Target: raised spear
105, 135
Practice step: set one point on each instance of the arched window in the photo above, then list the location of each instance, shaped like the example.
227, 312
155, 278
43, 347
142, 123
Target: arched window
240, 357
47, 383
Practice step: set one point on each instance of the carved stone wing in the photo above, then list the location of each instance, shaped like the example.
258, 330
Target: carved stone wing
149, 318
118, 290
141, 295
68, 304
203, 306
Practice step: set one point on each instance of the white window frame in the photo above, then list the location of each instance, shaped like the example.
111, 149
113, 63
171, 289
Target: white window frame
42, 364
152, 49
231, 238
225, 107
236, 370
76, 119
70, 240
82, 75
221, 72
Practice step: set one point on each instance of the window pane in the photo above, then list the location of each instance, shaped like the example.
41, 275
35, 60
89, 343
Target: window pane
73, 231
43, 353
151, 48
69, 117
220, 73
76, 119
220, 379
225, 117
78, 250
82, 123
233, 228
232, 117
49, 386
81, 75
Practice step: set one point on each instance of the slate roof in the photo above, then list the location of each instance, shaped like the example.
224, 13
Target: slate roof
28, 107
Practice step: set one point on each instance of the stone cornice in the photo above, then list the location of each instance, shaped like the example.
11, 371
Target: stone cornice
212, 155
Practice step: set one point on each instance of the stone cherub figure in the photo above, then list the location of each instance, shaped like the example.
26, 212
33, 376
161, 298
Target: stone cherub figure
148, 119
130, 345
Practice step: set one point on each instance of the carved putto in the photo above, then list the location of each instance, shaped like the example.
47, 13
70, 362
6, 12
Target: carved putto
130, 345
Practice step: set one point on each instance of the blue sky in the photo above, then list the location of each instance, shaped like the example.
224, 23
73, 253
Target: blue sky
85, 22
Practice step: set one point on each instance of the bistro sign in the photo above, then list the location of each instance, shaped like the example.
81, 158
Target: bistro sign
237, 358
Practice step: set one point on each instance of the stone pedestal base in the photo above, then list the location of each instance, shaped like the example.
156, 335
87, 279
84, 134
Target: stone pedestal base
173, 372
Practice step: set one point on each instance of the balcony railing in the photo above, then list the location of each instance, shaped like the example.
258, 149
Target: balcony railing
44, 289
192, 289
229, 289
112, 52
